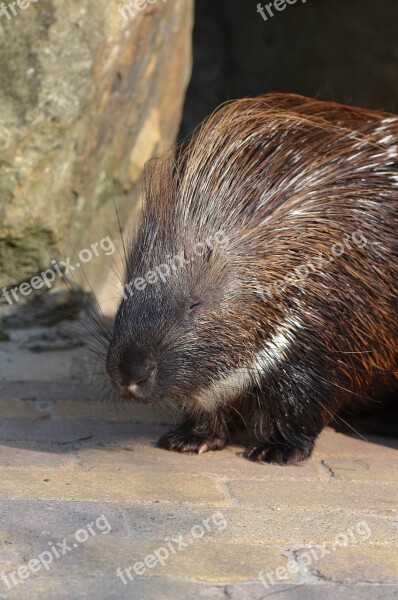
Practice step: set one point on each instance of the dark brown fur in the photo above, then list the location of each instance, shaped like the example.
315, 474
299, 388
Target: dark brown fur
285, 178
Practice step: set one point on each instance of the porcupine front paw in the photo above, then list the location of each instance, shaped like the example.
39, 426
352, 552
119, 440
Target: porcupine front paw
191, 438
280, 454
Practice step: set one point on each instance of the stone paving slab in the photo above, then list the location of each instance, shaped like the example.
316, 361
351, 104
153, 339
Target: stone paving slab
60, 431
20, 364
365, 564
228, 464
68, 459
312, 592
363, 468
103, 555
333, 444
280, 528
370, 498
77, 586
28, 457
57, 518
114, 487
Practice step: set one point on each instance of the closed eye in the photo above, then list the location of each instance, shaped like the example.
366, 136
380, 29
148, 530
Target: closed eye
194, 305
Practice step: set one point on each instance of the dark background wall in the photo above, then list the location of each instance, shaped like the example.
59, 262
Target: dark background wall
343, 50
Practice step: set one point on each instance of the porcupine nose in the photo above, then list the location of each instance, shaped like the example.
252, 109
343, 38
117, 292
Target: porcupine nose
141, 380
134, 376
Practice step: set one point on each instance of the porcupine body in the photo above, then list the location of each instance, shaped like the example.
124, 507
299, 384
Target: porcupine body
263, 277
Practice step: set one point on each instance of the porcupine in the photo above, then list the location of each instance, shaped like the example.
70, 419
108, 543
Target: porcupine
294, 319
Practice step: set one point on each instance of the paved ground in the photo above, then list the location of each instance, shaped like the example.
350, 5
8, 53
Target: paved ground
84, 493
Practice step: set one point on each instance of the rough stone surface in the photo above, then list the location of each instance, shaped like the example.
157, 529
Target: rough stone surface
112, 487
354, 565
82, 92
66, 586
374, 498
312, 592
89, 482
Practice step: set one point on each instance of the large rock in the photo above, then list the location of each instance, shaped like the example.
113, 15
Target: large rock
83, 91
